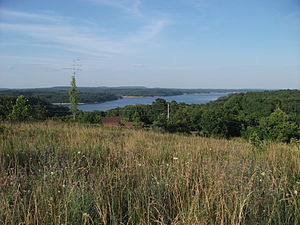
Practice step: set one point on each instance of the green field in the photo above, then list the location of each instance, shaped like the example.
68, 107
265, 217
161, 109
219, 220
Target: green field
69, 173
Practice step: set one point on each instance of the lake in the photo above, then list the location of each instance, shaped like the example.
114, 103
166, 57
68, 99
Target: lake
186, 98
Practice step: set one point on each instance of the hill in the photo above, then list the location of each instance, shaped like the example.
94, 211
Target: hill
68, 173
102, 94
239, 114
60, 95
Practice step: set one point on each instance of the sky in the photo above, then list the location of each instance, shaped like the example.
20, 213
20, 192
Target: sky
152, 43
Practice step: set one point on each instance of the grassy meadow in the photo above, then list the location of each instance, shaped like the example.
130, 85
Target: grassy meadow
68, 173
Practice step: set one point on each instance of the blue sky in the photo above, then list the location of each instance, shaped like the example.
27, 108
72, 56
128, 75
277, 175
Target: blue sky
154, 43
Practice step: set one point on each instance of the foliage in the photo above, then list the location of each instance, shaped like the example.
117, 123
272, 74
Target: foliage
60, 96
278, 127
39, 110
240, 114
232, 116
21, 111
89, 117
6, 106
219, 122
73, 97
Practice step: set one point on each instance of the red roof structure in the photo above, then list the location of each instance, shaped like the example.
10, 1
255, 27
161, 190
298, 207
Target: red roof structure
132, 124
116, 121
111, 121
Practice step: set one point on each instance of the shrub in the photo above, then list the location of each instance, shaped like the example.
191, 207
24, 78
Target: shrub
278, 127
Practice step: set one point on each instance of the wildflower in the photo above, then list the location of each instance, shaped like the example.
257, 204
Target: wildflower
79, 152
139, 164
52, 173
3, 185
263, 173
63, 185
295, 192
175, 158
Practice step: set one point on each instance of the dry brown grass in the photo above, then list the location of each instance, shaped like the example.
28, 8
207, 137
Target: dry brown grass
60, 173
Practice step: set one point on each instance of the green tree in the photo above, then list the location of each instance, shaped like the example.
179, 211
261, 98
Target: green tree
278, 127
6, 106
73, 97
21, 110
89, 117
220, 122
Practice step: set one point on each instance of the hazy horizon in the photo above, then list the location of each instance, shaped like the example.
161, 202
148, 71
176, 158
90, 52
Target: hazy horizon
191, 44
143, 86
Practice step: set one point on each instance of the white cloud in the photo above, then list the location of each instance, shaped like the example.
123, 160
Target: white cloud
149, 32
80, 39
24, 15
129, 6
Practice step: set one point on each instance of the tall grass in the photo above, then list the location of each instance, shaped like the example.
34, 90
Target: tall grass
59, 173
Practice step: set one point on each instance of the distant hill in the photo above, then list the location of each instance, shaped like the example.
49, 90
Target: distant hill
59, 94
133, 90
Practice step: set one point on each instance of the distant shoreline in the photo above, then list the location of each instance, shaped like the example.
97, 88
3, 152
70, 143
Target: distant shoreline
139, 96
66, 103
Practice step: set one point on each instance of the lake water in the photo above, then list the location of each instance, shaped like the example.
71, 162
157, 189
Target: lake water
187, 98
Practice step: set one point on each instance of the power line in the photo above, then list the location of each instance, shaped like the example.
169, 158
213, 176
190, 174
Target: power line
76, 66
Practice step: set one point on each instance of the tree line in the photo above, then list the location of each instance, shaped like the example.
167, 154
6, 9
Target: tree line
273, 115
61, 96
256, 116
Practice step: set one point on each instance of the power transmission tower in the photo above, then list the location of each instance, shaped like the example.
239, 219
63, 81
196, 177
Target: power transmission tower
76, 66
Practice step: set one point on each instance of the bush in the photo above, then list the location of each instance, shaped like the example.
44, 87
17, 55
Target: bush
279, 127
88, 117
21, 110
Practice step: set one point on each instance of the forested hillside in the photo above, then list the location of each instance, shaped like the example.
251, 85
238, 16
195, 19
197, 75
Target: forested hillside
256, 116
101, 94
241, 114
29, 109
61, 96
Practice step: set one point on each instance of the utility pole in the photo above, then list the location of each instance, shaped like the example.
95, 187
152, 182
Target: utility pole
168, 112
